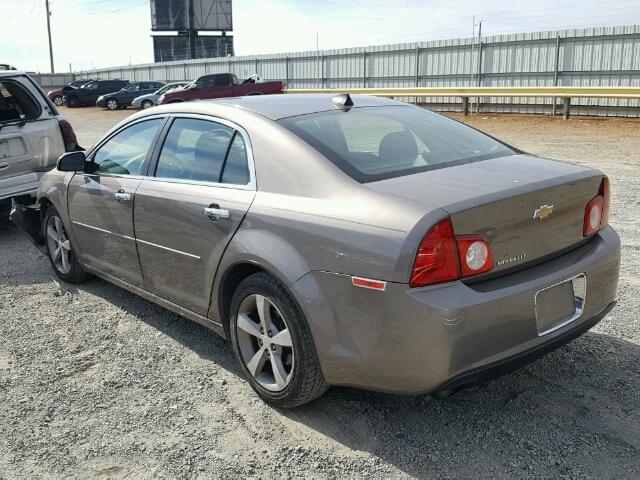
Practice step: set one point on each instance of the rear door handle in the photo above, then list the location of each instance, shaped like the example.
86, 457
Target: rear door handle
122, 196
215, 212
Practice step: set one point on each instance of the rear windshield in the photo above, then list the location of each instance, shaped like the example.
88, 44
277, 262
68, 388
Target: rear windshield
375, 143
16, 103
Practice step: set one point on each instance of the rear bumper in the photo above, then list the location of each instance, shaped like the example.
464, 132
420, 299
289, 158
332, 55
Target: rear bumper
507, 365
442, 337
26, 184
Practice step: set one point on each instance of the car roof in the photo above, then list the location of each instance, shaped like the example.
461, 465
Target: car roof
281, 106
11, 73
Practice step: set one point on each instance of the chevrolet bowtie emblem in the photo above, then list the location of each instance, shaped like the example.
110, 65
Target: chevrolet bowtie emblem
543, 211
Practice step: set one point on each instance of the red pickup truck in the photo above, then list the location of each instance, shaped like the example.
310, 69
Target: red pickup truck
218, 86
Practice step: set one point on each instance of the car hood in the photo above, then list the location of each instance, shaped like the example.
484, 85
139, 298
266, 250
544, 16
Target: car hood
147, 96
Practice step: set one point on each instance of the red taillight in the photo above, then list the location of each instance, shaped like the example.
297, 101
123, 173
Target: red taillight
437, 257
605, 191
475, 255
444, 257
596, 214
68, 135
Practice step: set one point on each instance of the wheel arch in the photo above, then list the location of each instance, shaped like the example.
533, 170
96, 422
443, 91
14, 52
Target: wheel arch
251, 252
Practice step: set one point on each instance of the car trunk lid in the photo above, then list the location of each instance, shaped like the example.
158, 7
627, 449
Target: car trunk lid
527, 207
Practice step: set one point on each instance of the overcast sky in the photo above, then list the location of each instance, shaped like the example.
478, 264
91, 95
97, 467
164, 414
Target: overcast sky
102, 33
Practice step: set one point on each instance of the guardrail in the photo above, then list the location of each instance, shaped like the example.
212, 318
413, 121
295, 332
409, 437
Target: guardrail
565, 93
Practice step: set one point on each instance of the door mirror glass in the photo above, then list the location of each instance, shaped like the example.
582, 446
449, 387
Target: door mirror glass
71, 162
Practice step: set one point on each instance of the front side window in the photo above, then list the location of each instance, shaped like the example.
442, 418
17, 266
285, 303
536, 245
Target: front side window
91, 86
125, 153
194, 150
374, 143
222, 81
16, 103
205, 82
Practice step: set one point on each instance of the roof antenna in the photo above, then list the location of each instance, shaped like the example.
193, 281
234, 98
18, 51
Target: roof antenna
343, 101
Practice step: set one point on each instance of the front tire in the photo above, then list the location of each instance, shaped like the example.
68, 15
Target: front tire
273, 344
112, 104
147, 104
58, 101
61, 253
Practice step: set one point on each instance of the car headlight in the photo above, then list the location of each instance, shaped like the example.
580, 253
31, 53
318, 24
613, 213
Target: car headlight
100, 98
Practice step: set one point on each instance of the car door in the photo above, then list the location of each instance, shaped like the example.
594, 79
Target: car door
101, 200
186, 214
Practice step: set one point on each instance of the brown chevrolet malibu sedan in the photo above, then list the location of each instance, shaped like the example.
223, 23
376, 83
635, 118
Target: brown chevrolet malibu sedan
337, 240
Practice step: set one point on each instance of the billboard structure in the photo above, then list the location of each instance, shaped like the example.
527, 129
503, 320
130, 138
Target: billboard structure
176, 47
188, 18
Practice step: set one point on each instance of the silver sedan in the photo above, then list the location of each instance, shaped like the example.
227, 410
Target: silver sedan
151, 99
337, 240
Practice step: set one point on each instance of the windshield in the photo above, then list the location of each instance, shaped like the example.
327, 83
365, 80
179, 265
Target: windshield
375, 143
168, 87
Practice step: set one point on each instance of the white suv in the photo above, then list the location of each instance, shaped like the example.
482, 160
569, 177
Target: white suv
32, 135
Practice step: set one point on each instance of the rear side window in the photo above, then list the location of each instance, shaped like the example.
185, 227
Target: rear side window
203, 151
375, 143
126, 152
194, 150
236, 168
16, 102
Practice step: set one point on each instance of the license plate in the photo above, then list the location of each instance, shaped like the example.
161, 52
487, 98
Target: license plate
560, 304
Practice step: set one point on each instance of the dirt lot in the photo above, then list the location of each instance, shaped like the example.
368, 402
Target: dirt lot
96, 382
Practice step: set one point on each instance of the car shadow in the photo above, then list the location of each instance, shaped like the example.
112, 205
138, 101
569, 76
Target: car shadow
575, 412
531, 422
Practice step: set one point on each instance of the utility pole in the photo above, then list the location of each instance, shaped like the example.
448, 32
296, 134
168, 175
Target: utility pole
191, 30
48, 14
479, 62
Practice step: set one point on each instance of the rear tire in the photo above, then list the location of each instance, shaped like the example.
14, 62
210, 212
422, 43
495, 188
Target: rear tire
270, 338
60, 251
112, 104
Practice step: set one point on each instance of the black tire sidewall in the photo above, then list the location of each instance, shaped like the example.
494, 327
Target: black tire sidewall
295, 321
77, 273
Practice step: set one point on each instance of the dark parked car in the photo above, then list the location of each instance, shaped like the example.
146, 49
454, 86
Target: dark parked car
89, 92
58, 97
124, 97
337, 241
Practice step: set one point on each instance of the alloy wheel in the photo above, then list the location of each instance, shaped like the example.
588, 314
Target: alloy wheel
112, 105
265, 342
58, 101
58, 244
147, 104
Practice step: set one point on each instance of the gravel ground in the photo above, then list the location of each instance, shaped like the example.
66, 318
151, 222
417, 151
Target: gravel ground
96, 382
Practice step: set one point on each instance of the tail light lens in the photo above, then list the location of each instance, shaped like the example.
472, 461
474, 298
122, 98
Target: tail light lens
68, 135
444, 257
437, 257
475, 255
596, 214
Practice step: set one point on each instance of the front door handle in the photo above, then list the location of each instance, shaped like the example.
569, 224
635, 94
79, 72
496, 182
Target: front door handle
122, 196
214, 212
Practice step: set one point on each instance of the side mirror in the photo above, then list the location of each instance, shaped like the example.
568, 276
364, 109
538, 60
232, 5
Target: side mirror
71, 162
